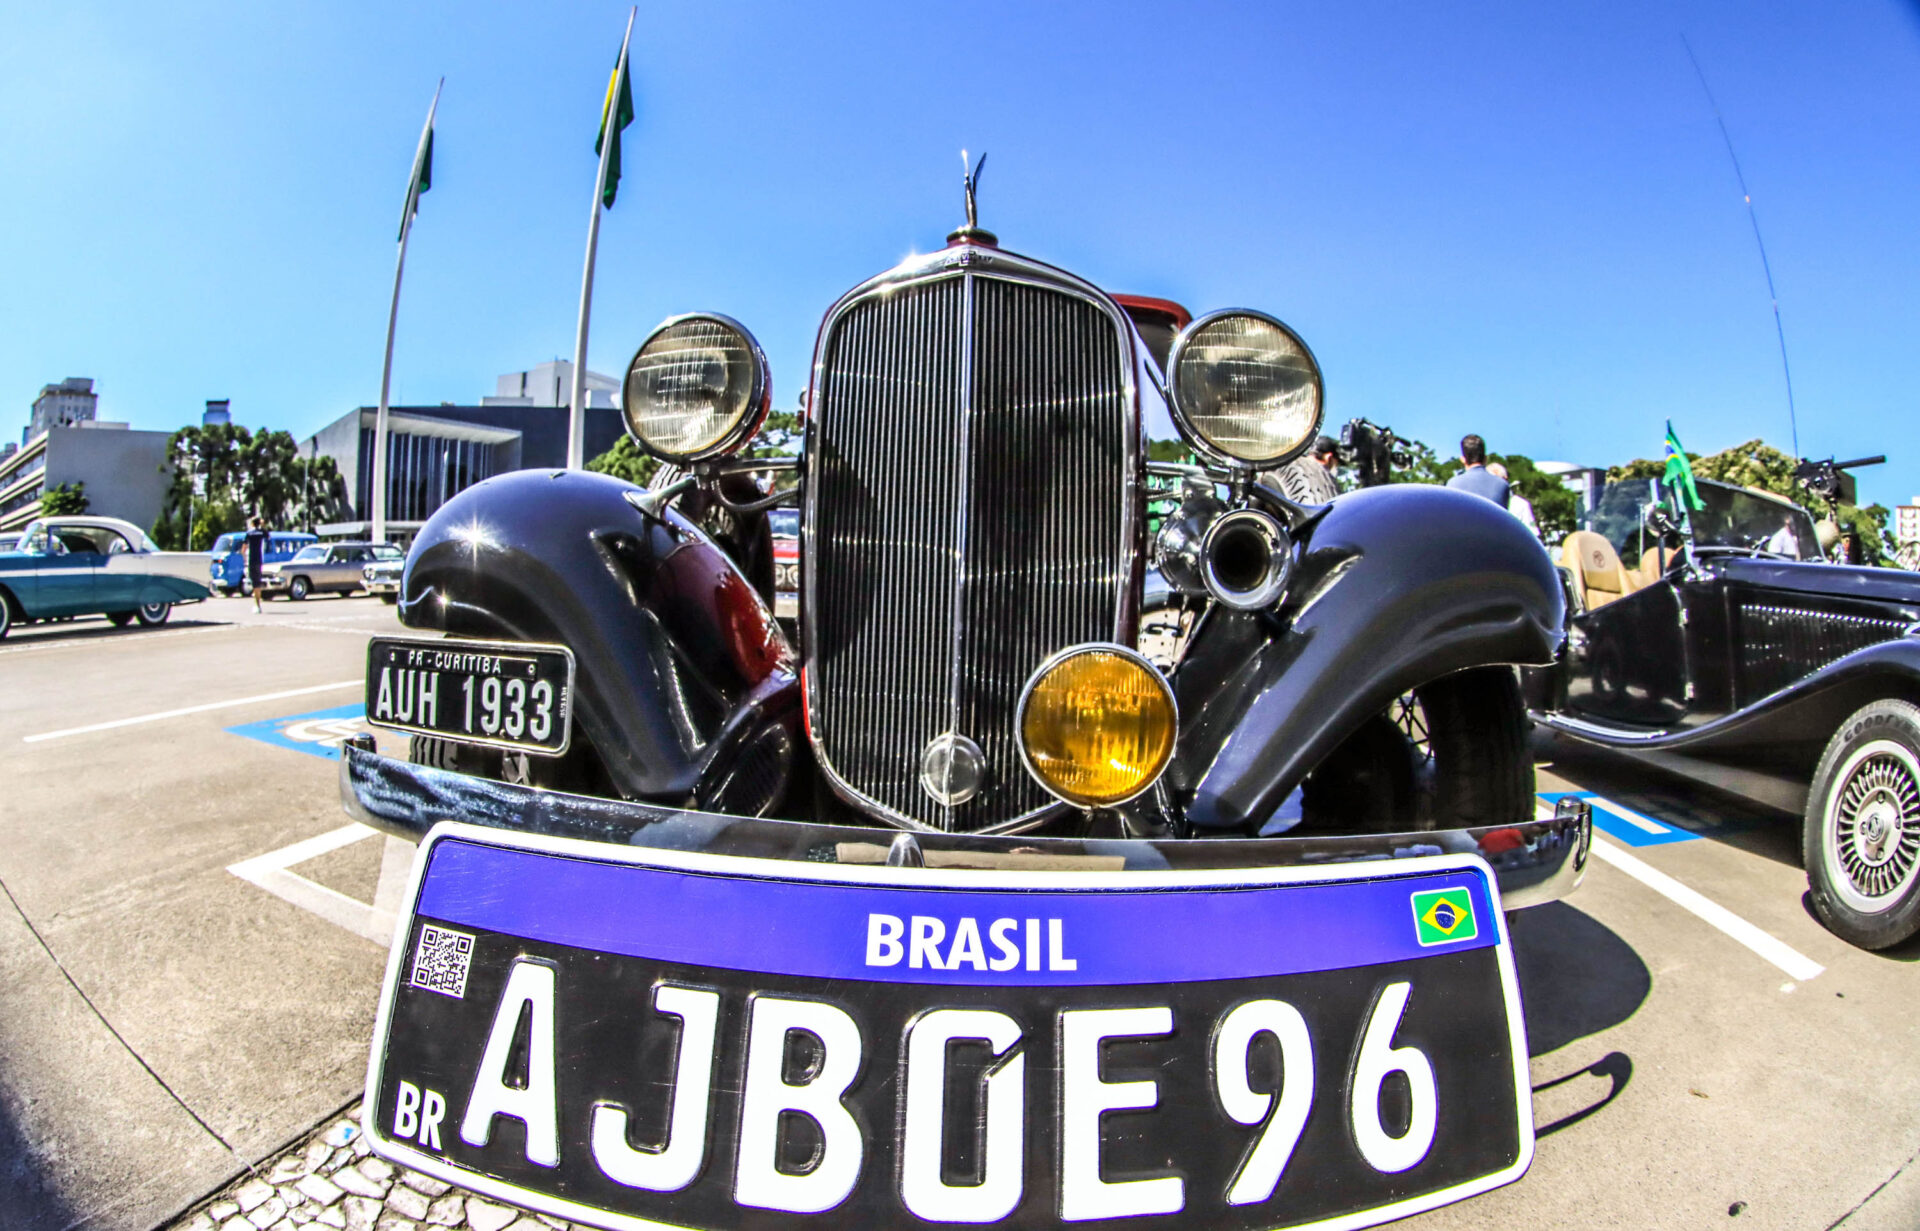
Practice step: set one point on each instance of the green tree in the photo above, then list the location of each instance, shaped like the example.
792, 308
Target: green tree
64, 500
224, 473
1756, 464
626, 460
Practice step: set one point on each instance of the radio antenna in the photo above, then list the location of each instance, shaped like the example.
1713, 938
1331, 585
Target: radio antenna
1793, 422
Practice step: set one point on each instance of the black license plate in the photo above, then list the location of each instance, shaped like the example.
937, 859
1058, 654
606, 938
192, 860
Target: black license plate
502, 694
635, 1037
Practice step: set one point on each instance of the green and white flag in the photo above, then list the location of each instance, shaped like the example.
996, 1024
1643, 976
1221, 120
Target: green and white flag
422, 178
1679, 474
618, 108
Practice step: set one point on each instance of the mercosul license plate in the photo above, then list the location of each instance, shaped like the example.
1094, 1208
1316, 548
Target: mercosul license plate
638, 1037
503, 694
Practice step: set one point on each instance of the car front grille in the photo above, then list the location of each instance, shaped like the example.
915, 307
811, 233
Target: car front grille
971, 511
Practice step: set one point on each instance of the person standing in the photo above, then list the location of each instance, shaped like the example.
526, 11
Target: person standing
1308, 479
1517, 504
256, 553
1476, 478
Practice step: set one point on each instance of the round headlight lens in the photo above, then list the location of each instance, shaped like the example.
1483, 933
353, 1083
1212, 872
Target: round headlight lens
1245, 387
1096, 725
697, 388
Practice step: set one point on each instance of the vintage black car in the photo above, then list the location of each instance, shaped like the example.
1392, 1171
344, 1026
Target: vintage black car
1331, 704
1717, 642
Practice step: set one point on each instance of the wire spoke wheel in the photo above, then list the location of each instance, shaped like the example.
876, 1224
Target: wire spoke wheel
1407, 713
1872, 835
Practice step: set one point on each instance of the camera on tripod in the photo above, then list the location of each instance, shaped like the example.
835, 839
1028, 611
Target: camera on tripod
1371, 452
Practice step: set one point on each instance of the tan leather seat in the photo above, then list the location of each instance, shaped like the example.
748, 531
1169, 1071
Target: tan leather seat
1596, 568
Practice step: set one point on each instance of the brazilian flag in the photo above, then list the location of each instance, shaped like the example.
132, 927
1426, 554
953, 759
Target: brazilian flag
1679, 475
618, 108
422, 178
1441, 916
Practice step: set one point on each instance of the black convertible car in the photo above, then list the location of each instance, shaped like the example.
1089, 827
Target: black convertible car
669, 854
1717, 642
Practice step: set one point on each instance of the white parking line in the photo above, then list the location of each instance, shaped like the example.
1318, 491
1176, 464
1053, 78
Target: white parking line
1631, 817
190, 709
374, 920
1797, 965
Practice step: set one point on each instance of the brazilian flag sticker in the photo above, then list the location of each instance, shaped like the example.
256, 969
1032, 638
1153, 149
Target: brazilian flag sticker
1444, 916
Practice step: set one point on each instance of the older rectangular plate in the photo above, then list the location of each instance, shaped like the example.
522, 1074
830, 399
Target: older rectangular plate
634, 1037
504, 694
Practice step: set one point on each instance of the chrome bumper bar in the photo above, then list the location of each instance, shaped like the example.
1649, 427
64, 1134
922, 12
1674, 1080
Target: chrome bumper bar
1536, 862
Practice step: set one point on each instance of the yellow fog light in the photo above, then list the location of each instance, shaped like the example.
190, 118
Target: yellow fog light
1096, 725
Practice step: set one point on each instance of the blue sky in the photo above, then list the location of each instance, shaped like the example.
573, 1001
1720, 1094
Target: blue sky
1513, 219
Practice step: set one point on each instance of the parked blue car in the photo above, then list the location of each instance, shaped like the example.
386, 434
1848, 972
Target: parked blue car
229, 570
70, 566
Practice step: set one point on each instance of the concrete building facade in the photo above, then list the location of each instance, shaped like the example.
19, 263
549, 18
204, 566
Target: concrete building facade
435, 452
126, 472
551, 384
63, 405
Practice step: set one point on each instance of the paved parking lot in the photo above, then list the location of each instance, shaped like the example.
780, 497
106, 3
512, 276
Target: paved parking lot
191, 943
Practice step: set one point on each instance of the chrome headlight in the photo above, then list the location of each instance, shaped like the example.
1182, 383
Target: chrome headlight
697, 388
1246, 390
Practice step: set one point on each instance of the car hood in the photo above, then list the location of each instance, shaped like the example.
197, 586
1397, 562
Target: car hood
1886, 585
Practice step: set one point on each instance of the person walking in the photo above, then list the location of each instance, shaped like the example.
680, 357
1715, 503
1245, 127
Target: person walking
1476, 478
256, 552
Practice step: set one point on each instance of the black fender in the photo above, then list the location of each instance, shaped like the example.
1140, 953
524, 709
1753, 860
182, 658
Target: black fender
1393, 586
685, 686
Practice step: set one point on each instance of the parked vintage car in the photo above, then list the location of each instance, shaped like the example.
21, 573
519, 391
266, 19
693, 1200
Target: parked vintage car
965, 785
80, 565
1718, 643
323, 568
784, 527
382, 575
229, 567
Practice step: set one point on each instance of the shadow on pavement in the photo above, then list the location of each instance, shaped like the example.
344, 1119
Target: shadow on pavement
1616, 1067
90, 629
1576, 976
1732, 820
28, 1199
1907, 950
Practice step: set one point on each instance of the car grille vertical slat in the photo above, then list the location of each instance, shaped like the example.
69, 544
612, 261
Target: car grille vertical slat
921, 623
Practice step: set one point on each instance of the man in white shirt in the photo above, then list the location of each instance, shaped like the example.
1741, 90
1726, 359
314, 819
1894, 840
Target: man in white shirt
1518, 505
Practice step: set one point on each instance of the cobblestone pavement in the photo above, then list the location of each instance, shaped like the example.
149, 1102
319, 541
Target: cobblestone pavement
333, 1180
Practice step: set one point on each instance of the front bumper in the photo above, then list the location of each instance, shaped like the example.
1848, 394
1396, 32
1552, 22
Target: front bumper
382, 585
272, 581
1537, 862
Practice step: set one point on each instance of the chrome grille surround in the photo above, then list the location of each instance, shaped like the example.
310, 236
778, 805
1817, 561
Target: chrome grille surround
973, 450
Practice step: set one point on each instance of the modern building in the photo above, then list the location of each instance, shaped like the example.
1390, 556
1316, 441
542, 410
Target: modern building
126, 472
217, 414
551, 384
436, 451
63, 405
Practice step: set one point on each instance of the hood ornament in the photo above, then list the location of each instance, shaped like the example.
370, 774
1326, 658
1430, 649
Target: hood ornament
972, 233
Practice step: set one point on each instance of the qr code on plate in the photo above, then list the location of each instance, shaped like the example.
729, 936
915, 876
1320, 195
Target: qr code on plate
440, 961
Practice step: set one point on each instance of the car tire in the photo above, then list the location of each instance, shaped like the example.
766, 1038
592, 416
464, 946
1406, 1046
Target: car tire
1861, 837
299, 588
119, 619
6, 614
390, 599
153, 615
1368, 779
1477, 730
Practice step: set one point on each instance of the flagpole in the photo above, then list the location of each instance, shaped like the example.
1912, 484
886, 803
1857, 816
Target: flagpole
379, 534
577, 413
